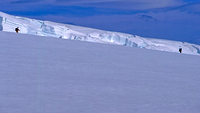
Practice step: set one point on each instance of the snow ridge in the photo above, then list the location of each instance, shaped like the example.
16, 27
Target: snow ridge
66, 31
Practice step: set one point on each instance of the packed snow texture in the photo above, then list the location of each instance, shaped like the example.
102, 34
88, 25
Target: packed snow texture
50, 75
46, 28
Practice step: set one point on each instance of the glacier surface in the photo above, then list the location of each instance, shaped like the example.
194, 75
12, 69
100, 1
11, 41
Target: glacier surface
46, 28
49, 75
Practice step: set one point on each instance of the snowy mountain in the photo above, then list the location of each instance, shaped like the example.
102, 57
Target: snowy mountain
52, 75
66, 31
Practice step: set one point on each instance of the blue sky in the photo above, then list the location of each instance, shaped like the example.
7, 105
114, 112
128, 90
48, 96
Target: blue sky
164, 19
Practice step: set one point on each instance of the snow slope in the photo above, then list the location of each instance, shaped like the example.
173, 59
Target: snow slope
46, 28
51, 75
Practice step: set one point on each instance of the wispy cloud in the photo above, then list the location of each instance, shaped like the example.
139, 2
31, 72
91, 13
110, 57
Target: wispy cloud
124, 4
118, 5
190, 8
23, 1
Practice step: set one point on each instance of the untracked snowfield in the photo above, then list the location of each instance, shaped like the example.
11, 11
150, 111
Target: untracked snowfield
51, 75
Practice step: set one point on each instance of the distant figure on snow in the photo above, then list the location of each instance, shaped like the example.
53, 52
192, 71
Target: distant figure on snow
180, 49
17, 29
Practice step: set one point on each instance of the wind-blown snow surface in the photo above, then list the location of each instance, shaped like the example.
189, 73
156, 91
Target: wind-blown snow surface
46, 28
50, 75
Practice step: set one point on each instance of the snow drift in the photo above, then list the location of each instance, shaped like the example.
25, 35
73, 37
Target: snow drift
66, 31
50, 75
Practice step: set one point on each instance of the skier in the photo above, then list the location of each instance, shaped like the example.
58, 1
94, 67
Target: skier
180, 49
17, 29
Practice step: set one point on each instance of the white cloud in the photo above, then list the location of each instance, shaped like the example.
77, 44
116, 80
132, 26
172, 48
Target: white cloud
123, 4
109, 4
148, 4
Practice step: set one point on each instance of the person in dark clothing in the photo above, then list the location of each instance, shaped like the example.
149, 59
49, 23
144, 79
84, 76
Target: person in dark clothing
180, 49
17, 29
